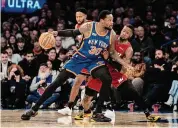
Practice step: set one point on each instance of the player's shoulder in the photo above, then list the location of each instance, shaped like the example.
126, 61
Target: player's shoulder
87, 24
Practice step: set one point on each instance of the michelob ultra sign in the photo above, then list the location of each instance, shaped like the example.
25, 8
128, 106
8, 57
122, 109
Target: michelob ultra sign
21, 6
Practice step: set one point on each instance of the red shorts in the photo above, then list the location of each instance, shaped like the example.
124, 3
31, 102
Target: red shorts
117, 79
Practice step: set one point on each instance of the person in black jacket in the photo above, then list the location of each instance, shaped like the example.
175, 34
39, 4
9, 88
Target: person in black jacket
144, 44
13, 88
29, 66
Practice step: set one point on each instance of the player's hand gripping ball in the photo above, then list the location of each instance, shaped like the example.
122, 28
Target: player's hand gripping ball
47, 40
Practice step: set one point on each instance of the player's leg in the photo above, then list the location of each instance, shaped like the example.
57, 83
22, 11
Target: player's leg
74, 92
128, 88
61, 78
103, 74
71, 70
86, 103
75, 89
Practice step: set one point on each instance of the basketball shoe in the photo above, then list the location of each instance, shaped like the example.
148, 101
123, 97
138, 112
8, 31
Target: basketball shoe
28, 114
65, 111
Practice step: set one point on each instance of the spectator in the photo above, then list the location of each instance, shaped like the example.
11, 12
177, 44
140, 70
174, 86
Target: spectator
60, 26
20, 47
171, 31
15, 29
144, 44
156, 78
26, 35
118, 25
7, 34
63, 57
39, 84
33, 36
156, 36
5, 64
6, 26
173, 92
149, 17
135, 32
126, 21
50, 66
39, 55
137, 75
29, 66
174, 51
13, 89
58, 45
3, 43
12, 42
130, 15
95, 15
14, 58
52, 57
49, 19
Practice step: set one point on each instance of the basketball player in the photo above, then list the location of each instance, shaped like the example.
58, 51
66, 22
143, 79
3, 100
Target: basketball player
81, 17
98, 36
119, 80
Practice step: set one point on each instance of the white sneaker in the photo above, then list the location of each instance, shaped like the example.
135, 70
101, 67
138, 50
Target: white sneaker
65, 120
65, 111
110, 114
170, 101
175, 108
52, 106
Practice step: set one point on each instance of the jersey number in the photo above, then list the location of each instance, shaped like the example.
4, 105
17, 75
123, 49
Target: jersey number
95, 51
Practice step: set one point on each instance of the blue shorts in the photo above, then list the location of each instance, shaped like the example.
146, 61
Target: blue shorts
75, 65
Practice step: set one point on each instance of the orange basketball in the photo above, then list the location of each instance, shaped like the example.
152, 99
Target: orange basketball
47, 40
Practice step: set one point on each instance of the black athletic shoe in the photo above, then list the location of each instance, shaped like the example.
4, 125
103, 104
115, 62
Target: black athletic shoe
99, 117
27, 115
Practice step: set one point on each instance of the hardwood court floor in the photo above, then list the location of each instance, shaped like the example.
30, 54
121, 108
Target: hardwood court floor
11, 118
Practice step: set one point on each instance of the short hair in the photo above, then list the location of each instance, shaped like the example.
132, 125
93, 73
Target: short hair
21, 40
131, 27
7, 47
4, 52
103, 14
83, 10
28, 52
63, 51
163, 51
51, 49
172, 16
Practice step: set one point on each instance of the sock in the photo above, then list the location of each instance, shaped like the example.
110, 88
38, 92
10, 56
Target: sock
147, 113
70, 105
81, 107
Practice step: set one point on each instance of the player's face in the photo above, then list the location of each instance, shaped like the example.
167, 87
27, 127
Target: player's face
126, 33
108, 22
80, 17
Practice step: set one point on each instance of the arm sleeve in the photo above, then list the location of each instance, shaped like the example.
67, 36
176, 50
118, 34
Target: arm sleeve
69, 33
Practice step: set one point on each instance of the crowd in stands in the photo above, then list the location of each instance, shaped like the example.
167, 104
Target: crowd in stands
27, 69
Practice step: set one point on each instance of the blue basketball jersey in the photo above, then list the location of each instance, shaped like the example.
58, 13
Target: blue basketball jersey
92, 46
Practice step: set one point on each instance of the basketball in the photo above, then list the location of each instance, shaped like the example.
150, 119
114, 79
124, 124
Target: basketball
47, 40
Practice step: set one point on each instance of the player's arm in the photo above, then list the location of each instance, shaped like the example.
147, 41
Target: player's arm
128, 55
113, 52
74, 32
